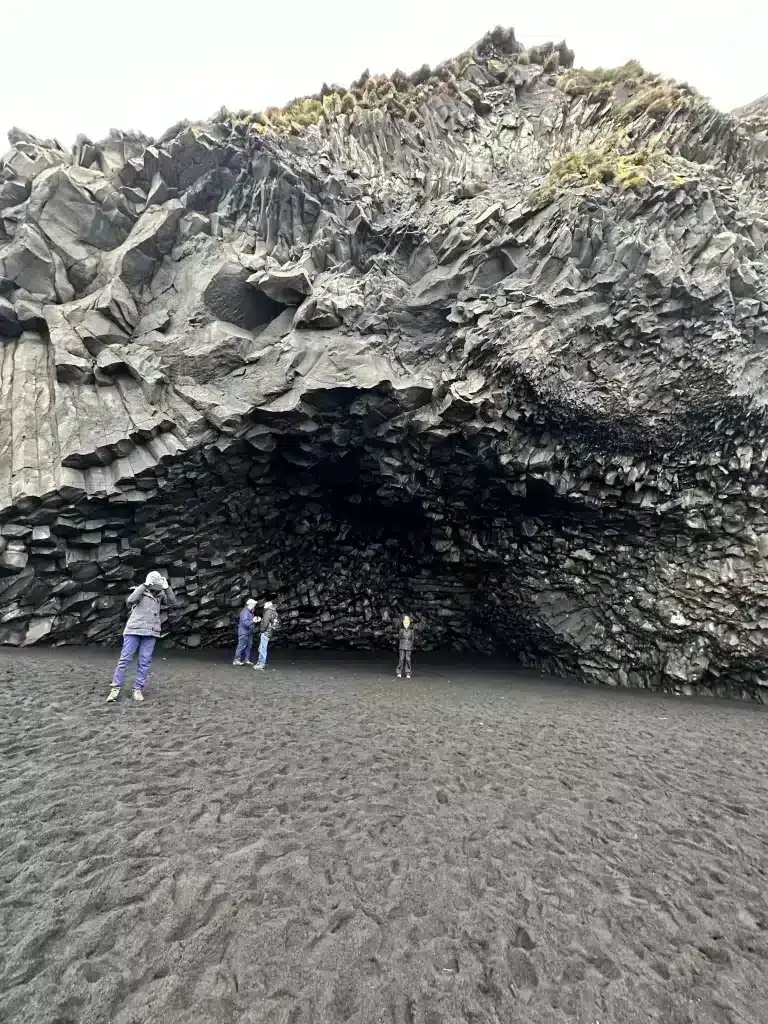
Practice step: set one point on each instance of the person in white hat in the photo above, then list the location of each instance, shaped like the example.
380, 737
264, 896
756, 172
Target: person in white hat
245, 634
141, 632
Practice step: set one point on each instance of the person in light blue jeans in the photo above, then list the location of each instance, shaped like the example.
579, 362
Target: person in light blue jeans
141, 632
268, 625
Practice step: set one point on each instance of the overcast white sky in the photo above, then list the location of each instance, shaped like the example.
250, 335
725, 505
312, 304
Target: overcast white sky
90, 65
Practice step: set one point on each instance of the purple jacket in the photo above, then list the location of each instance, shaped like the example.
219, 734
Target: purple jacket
245, 622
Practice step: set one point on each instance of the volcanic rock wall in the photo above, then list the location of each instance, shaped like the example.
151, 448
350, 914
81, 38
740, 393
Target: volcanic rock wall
487, 344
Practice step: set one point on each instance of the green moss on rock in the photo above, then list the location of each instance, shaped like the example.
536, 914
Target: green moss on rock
602, 83
605, 165
631, 90
615, 162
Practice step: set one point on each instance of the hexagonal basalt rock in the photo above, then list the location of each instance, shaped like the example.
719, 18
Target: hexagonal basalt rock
486, 344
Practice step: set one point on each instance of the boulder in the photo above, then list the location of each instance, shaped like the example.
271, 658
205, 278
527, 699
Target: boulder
287, 287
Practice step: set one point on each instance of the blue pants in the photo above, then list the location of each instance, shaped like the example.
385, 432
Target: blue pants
244, 645
132, 644
263, 645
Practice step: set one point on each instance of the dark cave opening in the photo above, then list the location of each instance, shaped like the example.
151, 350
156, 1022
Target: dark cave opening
343, 561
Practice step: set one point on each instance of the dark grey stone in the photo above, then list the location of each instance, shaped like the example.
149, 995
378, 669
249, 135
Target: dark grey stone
10, 326
382, 364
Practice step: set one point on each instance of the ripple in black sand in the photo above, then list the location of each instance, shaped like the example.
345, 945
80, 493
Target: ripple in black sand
324, 843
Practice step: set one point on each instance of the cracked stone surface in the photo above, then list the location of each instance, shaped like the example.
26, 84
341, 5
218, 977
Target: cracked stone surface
375, 364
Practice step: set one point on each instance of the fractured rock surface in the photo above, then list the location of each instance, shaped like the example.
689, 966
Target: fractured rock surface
376, 362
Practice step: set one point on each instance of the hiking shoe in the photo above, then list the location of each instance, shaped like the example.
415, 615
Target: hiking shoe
138, 696
240, 663
114, 693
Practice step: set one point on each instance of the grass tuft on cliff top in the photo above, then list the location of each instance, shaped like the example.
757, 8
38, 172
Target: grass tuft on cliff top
497, 54
631, 91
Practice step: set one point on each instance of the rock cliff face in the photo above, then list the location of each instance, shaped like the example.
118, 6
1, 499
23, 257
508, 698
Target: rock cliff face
757, 108
487, 343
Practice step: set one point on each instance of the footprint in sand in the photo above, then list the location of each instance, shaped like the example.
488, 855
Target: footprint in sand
522, 972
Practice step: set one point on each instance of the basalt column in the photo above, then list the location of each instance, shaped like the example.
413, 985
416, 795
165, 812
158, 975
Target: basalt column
486, 344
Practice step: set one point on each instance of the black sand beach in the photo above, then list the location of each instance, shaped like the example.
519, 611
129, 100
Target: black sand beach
324, 843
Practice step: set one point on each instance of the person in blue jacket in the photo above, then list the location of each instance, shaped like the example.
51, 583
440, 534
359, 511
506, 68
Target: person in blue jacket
245, 634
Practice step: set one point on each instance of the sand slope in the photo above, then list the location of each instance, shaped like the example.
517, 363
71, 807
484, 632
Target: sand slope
327, 844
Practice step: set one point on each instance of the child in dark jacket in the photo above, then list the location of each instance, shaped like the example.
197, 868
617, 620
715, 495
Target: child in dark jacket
405, 642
